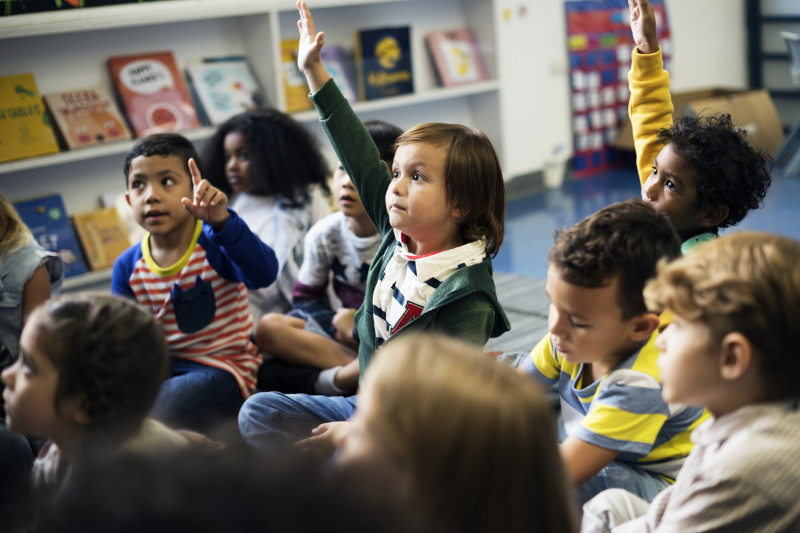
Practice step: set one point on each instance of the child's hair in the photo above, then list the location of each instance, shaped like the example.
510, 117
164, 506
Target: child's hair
13, 231
729, 170
748, 282
110, 354
473, 179
623, 240
163, 144
478, 440
384, 136
284, 157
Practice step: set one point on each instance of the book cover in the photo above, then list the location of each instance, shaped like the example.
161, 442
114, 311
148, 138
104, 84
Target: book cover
295, 88
86, 116
223, 87
383, 58
340, 66
102, 235
152, 93
47, 219
456, 57
25, 126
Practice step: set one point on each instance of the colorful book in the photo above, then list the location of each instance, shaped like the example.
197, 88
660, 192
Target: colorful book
152, 93
47, 219
456, 57
223, 87
339, 65
383, 58
25, 126
295, 88
87, 116
102, 235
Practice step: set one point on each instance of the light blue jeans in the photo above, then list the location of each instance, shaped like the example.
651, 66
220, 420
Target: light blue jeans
270, 421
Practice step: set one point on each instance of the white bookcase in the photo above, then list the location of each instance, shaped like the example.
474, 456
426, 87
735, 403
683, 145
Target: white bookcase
68, 49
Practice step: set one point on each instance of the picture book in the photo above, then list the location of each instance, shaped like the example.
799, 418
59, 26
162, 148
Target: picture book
25, 126
223, 87
456, 57
48, 221
86, 116
295, 88
102, 235
383, 58
339, 65
152, 93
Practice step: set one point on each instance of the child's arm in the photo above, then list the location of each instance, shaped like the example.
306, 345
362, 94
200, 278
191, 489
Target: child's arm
584, 460
650, 106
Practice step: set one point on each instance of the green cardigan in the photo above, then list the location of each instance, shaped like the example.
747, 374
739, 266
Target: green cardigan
465, 305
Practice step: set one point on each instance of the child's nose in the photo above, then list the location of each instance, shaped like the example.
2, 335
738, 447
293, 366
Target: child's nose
8, 376
651, 188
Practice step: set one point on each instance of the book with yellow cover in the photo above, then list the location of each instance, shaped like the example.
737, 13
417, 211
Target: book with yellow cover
294, 83
102, 235
25, 127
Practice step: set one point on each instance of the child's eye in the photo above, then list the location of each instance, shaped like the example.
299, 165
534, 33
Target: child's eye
578, 326
136, 185
168, 181
395, 174
655, 170
416, 176
669, 185
243, 156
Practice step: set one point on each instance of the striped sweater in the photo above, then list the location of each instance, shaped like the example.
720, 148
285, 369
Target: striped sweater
201, 301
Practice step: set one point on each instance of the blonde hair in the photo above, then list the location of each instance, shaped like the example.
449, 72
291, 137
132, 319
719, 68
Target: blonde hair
747, 282
13, 231
478, 439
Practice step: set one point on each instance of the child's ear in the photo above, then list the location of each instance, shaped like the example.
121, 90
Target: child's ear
737, 356
715, 216
74, 410
128, 198
644, 325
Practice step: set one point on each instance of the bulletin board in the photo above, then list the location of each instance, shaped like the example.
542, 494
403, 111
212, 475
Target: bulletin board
599, 45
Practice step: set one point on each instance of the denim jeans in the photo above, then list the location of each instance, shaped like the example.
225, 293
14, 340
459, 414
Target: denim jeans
270, 421
197, 396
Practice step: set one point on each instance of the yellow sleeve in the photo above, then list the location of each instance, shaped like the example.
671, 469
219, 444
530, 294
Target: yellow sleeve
650, 107
544, 359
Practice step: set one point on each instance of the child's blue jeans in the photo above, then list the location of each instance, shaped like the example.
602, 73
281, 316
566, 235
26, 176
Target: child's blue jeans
270, 421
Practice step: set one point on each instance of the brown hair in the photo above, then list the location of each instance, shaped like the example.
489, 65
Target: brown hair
13, 231
748, 282
623, 240
473, 179
110, 354
478, 439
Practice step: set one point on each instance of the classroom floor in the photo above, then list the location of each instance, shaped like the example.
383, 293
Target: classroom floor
531, 220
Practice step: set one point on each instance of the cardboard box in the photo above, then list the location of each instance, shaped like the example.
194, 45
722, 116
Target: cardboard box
752, 111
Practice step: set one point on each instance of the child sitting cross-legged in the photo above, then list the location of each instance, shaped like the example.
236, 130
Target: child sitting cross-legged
731, 348
317, 334
440, 214
614, 427
192, 270
89, 368
701, 172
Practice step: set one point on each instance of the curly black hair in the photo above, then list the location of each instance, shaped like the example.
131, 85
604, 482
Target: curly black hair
163, 144
730, 171
285, 158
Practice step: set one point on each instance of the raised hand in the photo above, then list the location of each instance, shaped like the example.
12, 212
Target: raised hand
308, 60
208, 203
643, 25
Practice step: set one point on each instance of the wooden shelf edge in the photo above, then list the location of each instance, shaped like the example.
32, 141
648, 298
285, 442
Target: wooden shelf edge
81, 281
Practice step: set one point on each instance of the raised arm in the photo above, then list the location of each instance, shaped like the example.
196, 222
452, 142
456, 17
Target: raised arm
650, 106
308, 59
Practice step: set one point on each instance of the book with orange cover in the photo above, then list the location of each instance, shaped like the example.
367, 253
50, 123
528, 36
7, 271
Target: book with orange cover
152, 93
456, 57
102, 235
25, 127
87, 116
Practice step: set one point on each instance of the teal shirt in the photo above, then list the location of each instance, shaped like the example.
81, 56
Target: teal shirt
691, 242
465, 305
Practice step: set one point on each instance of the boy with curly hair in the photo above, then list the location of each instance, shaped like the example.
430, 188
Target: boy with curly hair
731, 348
701, 172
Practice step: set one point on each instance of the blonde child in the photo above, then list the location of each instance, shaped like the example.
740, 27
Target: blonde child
192, 271
318, 333
90, 366
615, 429
272, 169
701, 172
440, 214
731, 348
465, 443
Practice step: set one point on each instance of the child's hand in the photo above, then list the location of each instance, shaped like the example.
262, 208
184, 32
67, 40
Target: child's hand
643, 26
209, 203
325, 438
344, 321
308, 60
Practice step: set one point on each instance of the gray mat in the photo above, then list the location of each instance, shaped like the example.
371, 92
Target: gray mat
525, 302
